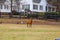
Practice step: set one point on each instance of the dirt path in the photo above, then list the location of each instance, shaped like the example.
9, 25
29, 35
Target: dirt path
46, 22
35, 21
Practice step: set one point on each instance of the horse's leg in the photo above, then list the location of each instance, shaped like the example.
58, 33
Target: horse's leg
27, 24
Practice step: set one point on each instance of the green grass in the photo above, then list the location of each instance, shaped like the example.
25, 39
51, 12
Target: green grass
21, 32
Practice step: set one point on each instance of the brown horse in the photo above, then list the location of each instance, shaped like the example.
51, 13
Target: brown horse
29, 22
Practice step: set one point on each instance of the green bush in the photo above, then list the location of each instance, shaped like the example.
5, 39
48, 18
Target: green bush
59, 13
41, 14
52, 13
15, 12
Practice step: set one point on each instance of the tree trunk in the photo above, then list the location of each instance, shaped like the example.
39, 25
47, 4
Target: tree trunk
11, 9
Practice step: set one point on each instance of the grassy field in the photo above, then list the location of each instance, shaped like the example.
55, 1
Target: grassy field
36, 32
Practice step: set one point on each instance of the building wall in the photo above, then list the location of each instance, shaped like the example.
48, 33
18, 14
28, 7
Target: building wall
43, 3
5, 5
8, 2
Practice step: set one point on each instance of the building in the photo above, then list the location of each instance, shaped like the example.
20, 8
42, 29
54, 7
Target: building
5, 5
55, 3
37, 6
21, 5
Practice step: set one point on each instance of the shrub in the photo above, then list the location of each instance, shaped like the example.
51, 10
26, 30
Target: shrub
41, 14
15, 12
51, 15
34, 15
58, 14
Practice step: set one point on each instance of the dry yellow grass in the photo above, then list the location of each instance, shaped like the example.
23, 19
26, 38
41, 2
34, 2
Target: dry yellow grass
36, 32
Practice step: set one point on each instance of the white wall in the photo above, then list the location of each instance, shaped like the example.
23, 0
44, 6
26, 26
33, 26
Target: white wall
23, 2
43, 3
6, 10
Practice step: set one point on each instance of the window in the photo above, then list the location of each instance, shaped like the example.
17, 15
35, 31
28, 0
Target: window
36, 1
53, 9
0, 6
5, 6
46, 8
26, 6
41, 7
49, 9
35, 7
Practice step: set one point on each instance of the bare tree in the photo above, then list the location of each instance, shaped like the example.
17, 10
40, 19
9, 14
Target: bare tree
11, 9
18, 5
11, 5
